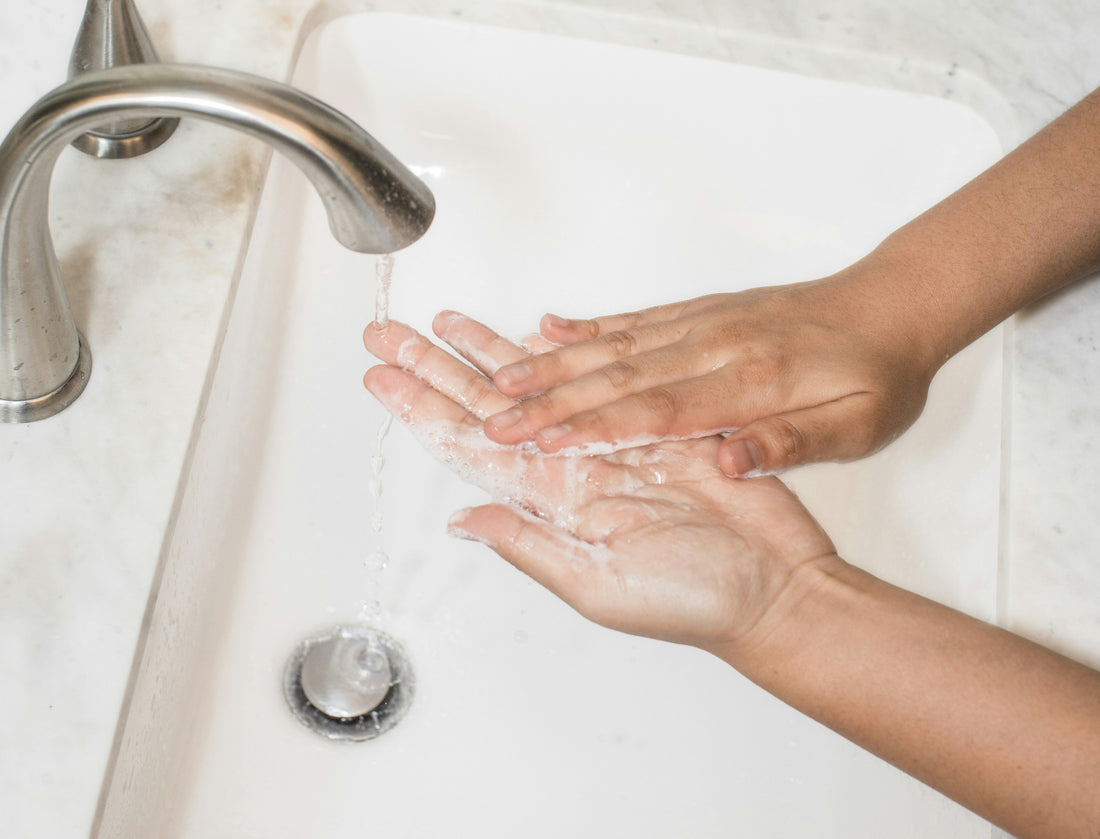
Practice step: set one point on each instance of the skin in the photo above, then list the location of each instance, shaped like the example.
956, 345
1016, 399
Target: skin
656, 541
833, 369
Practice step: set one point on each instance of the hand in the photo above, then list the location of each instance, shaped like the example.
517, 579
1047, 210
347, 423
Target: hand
653, 541
796, 373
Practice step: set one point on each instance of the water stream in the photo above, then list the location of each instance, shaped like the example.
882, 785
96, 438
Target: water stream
383, 272
377, 560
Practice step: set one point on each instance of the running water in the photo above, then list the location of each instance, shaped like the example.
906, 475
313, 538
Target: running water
377, 464
383, 271
377, 560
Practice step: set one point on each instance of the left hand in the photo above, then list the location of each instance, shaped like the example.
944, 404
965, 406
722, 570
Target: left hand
654, 541
796, 374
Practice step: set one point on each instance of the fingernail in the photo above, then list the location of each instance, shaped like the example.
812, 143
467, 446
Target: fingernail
442, 321
454, 525
553, 433
513, 374
506, 419
456, 529
557, 322
744, 456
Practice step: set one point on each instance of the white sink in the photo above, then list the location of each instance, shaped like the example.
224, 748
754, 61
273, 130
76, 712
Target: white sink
579, 178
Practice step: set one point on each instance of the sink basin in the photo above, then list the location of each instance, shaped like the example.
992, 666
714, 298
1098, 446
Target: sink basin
580, 178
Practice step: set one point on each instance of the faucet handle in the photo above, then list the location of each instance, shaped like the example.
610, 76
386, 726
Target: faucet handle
112, 34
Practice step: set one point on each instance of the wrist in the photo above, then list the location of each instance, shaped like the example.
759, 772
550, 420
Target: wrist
816, 591
900, 310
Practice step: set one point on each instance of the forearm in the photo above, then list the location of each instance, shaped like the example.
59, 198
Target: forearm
1003, 726
1027, 226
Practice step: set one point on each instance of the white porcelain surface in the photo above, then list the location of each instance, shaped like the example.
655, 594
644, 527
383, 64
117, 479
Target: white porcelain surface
702, 176
149, 249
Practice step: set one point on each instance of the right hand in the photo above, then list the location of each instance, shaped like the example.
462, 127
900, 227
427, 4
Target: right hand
794, 374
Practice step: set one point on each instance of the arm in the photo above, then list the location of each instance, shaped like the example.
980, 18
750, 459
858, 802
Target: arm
1005, 727
793, 370
1026, 227
643, 541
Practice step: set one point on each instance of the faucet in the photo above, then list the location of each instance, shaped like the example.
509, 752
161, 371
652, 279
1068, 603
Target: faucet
374, 204
112, 34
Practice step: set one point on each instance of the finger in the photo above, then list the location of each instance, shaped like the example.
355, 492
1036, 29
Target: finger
561, 330
413, 401
535, 344
590, 392
686, 409
401, 345
834, 431
477, 343
550, 556
539, 373
552, 487
453, 435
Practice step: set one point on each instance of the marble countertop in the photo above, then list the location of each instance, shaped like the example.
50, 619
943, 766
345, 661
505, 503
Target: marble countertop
149, 249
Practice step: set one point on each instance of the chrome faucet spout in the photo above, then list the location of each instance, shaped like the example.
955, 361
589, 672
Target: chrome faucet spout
374, 204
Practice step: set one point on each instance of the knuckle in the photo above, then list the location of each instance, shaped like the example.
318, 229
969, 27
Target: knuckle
539, 408
730, 333
479, 393
620, 374
577, 328
547, 367
662, 401
620, 343
786, 442
760, 368
469, 423
523, 535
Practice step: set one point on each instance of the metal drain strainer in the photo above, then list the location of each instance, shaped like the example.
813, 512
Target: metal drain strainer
349, 682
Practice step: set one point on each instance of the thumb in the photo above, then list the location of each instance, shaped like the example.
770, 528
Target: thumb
550, 556
837, 430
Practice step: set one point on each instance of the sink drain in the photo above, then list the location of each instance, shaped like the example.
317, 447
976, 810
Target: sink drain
349, 683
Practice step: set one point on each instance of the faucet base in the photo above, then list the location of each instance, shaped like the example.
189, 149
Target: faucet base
121, 146
30, 410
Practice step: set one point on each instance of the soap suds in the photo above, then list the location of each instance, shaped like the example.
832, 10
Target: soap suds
602, 447
406, 358
516, 475
483, 360
582, 552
